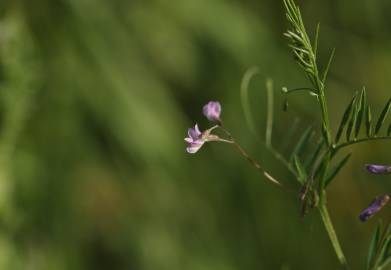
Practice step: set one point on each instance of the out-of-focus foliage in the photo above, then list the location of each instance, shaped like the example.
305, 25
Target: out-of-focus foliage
95, 100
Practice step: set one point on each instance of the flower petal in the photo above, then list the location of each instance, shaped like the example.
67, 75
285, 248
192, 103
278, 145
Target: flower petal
197, 130
194, 147
194, 133
189, 140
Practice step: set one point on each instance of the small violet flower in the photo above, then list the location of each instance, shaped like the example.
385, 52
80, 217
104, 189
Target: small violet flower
212, 111
378, 169
197, 138
375, 206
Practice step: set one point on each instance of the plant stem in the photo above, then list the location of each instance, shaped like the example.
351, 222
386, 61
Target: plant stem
338, 147
256, 164
331, 233
325, 117
308, 89
250, 159
318, 83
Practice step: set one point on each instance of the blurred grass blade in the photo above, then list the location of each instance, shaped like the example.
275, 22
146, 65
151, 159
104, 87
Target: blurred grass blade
383, 116
361, 108
270, 113
369, 121
345, 118
389, 130
374, 243
301, 173
334, 172
244, 88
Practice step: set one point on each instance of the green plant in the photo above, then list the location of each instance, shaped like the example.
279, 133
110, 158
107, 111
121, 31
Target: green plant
357, 112
314, 172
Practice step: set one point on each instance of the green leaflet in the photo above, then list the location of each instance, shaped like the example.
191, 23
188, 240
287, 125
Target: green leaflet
300, 58
298, 49
385, 258
326, 71
345, 119
378, 254
368, 121
384, 264
316, 39
302, 174
311, 161
334, 172
292, 12
383, 251
374, 243
352, 120
361, 108
383, 116
302, 143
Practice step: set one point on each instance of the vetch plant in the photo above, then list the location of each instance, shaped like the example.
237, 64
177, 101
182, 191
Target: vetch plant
316, 170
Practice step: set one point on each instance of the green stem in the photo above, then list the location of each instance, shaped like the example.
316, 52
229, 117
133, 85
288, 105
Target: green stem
322, 102
331, 233
256, 165
325, 117
338, 147
319, 84
307, 89
249, 158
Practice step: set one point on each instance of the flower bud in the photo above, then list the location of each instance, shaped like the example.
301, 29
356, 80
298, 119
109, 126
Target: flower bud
378, 169
212, 111
375, 206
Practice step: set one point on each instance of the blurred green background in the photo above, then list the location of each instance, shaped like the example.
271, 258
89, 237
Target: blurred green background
95, 100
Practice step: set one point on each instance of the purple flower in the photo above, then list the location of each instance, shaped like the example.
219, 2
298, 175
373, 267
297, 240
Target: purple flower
212, 111
375, 206
194, 140
197, 138
378, 169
